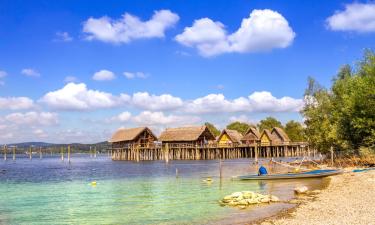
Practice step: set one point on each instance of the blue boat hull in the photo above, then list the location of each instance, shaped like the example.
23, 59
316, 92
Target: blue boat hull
309, 174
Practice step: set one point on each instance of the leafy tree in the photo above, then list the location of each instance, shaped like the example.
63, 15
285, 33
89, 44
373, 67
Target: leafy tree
269, 123
212, 128
239, 126
343, 116
295, 131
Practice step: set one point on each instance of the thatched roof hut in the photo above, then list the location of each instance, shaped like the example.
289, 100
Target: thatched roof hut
254, 131
267, 137
230, 136
280, 134
187, 134
138, 135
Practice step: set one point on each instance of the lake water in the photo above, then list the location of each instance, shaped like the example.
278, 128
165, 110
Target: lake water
50, 191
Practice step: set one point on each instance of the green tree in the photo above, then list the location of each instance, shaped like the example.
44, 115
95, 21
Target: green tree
344, 115
269, 123
212, 128
239, 126
295, 131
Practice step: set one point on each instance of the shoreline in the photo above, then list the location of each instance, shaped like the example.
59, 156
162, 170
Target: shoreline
347, 196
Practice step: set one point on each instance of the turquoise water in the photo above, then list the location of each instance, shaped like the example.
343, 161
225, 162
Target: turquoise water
49, 191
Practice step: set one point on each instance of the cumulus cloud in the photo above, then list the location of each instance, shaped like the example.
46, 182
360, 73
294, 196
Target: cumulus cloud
242, 118
256, 102
359, 17
16, 103
30, 72
32, 118
129, 27
78, 97
132, 75
63, 36
263, 30
144, 100
103, 75
159, 118
122, 117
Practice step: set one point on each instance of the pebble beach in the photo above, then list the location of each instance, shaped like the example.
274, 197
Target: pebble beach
349, 199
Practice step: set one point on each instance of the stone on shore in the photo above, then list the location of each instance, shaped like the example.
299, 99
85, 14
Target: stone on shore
247, 198
301, 190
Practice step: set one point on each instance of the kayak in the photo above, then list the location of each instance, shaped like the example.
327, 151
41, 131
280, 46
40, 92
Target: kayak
309, 174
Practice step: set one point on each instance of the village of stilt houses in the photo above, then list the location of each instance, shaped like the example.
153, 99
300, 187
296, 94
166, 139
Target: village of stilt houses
199, 143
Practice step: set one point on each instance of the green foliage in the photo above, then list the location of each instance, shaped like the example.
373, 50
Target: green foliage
295, 131
238, 126
212, 128
344, 116
269, 123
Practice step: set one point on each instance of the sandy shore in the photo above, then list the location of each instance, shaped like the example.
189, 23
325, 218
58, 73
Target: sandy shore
349, 199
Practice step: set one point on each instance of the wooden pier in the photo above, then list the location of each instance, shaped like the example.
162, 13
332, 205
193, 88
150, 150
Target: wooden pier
136, 152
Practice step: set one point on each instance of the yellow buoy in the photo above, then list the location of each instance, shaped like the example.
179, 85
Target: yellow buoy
93, 183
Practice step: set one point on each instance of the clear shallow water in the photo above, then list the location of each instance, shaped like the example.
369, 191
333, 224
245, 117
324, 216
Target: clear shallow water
49, 191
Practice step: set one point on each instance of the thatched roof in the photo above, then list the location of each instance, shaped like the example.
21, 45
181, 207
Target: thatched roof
129, 134
185, 134
269, 135
233, 135
254, 131
250, 137
280, 133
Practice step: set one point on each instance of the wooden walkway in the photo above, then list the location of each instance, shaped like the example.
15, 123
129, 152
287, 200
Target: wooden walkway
210, 151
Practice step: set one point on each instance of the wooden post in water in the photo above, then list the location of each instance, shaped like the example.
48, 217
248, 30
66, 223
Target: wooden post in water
14, 153
69, 153
221, 168
62, 153
176, 173
95, 151
166, 153
40, 153
5, 152
90, 152
30, 153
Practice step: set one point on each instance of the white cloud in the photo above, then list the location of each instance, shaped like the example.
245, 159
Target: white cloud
122, 117
103, 75
63, 36
263, 30
3, 73
264, 102
129, 27
69, 79
257, 102
159, 118
242, 118
77, 97
131, 75
144, 100
358, 17
16, 103
40, 133
30, 72
33, 118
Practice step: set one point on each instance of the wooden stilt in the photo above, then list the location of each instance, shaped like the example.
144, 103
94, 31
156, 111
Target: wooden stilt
14, 153
69, 153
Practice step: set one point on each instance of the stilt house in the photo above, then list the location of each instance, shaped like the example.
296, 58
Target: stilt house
139, 136
229, 138
193, 136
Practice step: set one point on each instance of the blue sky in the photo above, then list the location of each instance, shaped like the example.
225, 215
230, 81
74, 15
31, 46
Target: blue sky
77, 70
